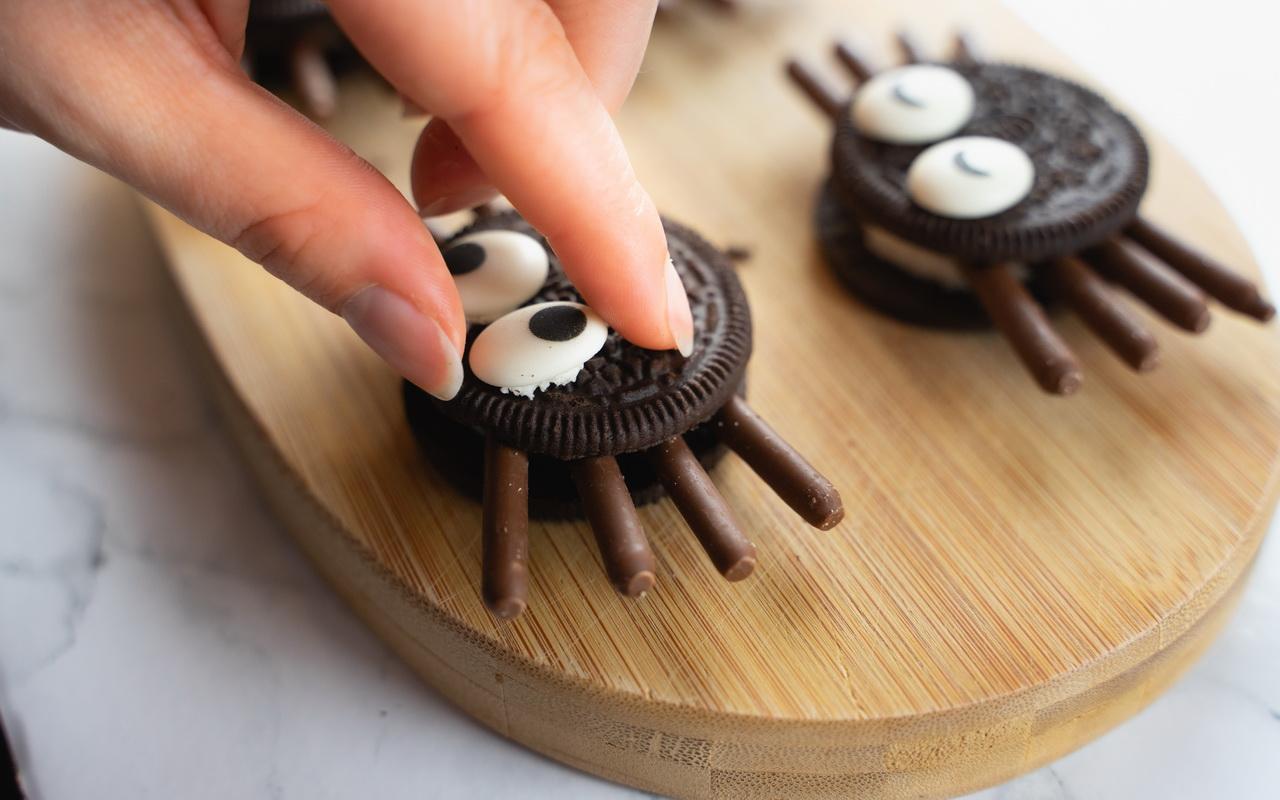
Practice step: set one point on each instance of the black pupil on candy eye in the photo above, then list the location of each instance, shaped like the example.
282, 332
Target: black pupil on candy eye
558, 323
965, 166
901, 96
463, 258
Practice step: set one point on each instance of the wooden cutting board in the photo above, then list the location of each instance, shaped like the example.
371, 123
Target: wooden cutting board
1017, 572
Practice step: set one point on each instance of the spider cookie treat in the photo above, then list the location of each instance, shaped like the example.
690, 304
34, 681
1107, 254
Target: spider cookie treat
966, 193
559, 416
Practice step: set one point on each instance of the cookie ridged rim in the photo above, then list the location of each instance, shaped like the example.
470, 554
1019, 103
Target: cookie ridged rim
986, 240
592, 429
456, 452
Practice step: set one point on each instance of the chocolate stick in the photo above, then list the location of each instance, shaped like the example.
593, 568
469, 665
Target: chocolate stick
703, 509
313, 80
1231, 289
793, 479
815, 89
853, 62
1019, 317
505, 564
964, 52
1166, 291
910, 52
613, 518
1103, 312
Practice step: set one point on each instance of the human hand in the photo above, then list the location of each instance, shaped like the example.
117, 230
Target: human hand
521, 91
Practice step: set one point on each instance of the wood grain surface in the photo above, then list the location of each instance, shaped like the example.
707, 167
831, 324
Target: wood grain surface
1016, 573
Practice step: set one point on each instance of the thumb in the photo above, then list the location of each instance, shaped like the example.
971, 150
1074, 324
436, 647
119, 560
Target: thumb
189, 130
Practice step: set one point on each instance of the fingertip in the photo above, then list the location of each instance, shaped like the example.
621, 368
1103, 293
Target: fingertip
679, 315
624, 277
443, 175
417, 346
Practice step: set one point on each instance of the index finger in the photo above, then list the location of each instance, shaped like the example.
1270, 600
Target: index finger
503, 75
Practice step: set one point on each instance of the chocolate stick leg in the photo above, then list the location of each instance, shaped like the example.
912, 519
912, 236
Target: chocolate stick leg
910, 51
964, 52
704, 509
853, 62
505, 564
1231, 289
1166, 291
1103, 312
815, 89
1019, 317
613, 518
793, 479
313, 80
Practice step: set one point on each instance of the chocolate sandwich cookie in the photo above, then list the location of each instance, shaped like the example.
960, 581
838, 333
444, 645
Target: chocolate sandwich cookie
624, 398
1088, 166
557, 415
969, 192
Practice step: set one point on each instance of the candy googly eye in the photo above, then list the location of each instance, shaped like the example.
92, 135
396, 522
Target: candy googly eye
915, 104
970, 177
495, 272
538, 346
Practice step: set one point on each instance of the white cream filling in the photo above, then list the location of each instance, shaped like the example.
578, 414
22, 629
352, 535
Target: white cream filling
564, 378
919, 261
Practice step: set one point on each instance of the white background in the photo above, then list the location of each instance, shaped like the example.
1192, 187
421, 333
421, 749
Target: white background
160, 637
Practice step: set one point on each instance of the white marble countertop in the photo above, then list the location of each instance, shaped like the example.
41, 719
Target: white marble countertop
160, 636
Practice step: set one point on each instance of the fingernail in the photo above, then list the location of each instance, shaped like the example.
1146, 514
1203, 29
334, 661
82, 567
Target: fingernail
679, 317
410, 341
467, 198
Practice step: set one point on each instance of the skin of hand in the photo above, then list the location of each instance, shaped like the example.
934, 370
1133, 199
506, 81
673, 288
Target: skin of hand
520, 91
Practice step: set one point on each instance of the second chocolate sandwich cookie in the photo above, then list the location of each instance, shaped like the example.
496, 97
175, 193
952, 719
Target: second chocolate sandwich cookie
966, 193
